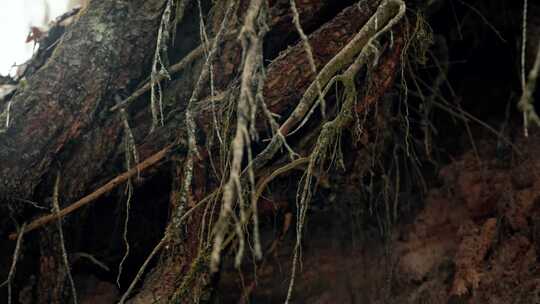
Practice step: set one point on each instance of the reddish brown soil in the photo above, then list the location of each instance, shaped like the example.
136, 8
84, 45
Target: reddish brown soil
475, 241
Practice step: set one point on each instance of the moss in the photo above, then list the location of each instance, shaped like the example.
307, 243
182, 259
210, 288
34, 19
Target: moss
195, 283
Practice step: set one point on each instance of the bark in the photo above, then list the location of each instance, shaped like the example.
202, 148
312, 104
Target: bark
60, 121
98, 57
71, 125
288, 76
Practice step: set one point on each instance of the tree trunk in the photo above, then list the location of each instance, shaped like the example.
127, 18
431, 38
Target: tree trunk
62, 121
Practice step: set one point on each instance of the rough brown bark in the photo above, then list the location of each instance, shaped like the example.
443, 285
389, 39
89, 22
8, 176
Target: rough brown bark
97, 58
328, 40
60, 121
69, 123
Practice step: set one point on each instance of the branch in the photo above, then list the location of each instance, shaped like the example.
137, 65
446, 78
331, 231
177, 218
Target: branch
182, 64
120, 179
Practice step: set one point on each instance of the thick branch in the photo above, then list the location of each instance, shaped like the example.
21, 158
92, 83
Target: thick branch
97, 58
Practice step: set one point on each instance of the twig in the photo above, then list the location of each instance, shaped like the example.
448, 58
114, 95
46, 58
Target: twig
292, 165
173, 69
182, 64
344, 58
388, 14
139, 274
56, 209
476, 11
260, 188
13, 267
120, 179
91, 258
160, 245
251, 36
309, 51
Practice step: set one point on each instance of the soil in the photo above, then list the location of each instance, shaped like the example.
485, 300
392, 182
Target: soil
476, 240
472, 236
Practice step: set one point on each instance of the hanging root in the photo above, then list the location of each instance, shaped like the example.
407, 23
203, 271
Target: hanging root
251, 37
526, 103
56, 209
131, 156
16, 255
343, 59
309, 53
388, 15
179, 213
523, 63
203, 78
92, 197
158, 66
